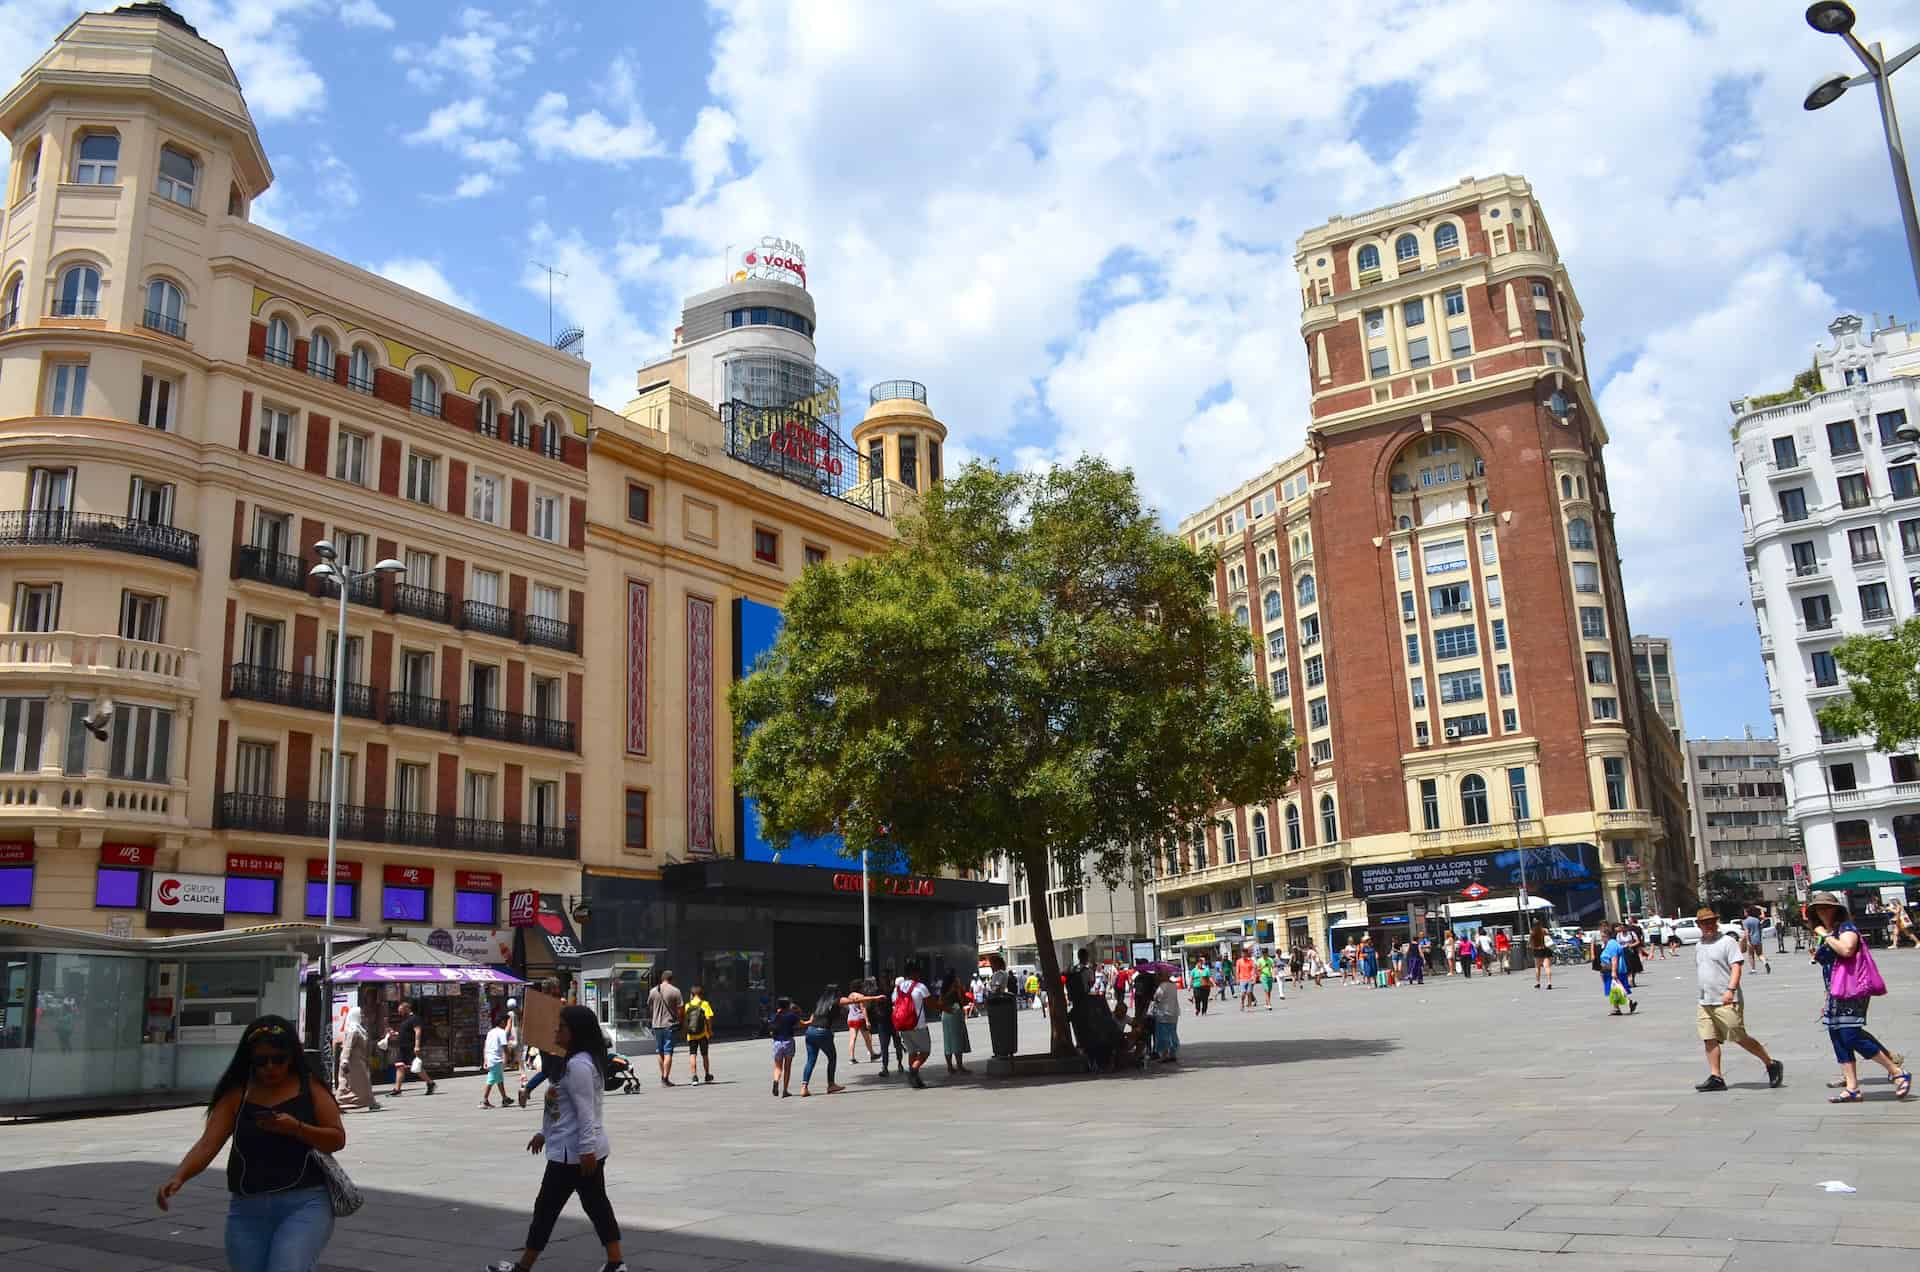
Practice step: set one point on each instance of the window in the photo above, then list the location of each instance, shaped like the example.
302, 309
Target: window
1902, 481
1273, 606
1322, 752
1599, 669
1317, 714
1543, 323
426, 393
149, 501
320, 356
1817, 611
1406, 251
1316, 671
1566, 486
279, 346
50, 491
274, 438
1854, 491
1460, 345
876, 459
164, 306
1580, 534
1461, 686
157, 396
1368, 260
1445, 558
478, 796
486, 416
483, 504
546, 518
141, 739
1793, 504
1417, 353
1826, 672
1429, 804
1446, 238
1864, 543
1377, 363
1473, 800
360, 370
178, 176
1874, 603
1419, 685
1309, 631
1413, 650
1505, 673
766, 547
1414, 312
1227, 847
1499, 633
350, 457
522, 428
423, 478
1517, 793
1614, 769
412, 787
1910, 538
1407, 612
1586, 576
97, 162
1843, 438
1784, 454
1292, 820
1305, 589
1494, 598
909, 462
1241, 616
29, 170
1277, 645
1467, 726
141, 616
1593, 622
485, 586
933, 460
1277, 682
1329, 823
1455, 642
1890, 423
36, 607
1402, 564
1510, 720
1449, 598
78, 295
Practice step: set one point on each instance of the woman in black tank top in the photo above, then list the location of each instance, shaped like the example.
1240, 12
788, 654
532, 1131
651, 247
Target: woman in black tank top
267, 1102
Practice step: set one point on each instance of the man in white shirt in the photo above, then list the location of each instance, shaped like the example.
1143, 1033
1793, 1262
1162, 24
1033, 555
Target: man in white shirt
1722, 1013
494, 1056
918, 1040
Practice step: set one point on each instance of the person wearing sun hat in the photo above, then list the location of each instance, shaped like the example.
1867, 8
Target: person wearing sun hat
1840, 947
1721, 1015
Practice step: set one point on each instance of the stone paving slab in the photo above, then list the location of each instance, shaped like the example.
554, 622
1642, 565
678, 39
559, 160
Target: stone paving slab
1463, 1125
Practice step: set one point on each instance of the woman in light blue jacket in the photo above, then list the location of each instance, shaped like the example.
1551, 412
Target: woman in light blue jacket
575, 1139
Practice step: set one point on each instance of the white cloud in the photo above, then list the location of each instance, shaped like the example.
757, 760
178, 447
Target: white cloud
590, 136
474, 185
365, 13
452, 122
425, 277
708, 148
497, 153
261, 38
485, 51
338, 186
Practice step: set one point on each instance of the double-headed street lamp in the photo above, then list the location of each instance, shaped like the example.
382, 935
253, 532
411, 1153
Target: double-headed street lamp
1836, 17
332, 569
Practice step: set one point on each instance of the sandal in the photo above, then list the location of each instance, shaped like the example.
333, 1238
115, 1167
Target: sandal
1902, 1085
1849, 1096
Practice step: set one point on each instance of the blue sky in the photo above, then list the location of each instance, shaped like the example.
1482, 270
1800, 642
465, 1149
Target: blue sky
1078, 231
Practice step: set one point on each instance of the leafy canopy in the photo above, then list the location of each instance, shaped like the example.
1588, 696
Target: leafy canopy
1883, 684
1034, 669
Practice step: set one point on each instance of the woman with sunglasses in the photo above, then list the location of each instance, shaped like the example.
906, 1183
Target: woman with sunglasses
280, 1216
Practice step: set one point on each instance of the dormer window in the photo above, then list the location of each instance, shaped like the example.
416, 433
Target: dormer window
179, 176
97, 161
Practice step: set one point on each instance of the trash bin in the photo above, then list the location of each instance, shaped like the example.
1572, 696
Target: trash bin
1003, 1023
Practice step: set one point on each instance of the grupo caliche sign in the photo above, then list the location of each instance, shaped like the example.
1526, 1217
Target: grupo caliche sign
1547, 864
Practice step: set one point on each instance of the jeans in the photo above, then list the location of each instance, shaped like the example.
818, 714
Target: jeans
1166, 1037
1851, 1040
562, 1180
820, 1042
278, 1232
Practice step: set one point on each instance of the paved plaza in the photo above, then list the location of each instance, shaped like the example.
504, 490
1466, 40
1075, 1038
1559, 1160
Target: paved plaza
1471, 1124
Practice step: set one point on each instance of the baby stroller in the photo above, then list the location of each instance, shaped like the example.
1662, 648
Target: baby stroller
620, 1075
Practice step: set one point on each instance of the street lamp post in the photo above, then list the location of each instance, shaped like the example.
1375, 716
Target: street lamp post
342, 576
1835, 17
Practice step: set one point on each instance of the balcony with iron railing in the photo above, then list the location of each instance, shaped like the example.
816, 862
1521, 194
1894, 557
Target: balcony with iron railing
515, 727
492, 620
308, 819
264, 565
291, 689
890, 390
426, 406
360, 384
279, 357
64, 308
550, 633
97, 530
422, 602
417, 711
9, 319
154, 320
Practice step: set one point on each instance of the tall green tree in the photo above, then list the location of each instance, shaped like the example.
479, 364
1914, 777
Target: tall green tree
1034, 670
1883, 688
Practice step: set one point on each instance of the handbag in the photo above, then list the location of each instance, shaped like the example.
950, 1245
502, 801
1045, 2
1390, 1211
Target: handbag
342, 1192
1857, 977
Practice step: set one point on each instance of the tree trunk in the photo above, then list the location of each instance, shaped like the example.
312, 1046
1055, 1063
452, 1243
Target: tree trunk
1035, 864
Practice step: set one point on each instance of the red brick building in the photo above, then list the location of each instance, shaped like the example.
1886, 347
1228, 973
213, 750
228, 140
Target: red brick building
1432, 591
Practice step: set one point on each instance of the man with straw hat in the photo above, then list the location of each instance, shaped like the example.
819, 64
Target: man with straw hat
1721, 1017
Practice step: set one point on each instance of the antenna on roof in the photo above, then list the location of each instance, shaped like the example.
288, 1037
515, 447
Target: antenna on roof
552, 274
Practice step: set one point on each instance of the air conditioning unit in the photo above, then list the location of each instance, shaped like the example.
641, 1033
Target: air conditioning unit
1452, 733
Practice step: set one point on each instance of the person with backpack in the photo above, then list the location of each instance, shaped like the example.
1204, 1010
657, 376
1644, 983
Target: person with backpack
881, 1018
1853, 981
909, 1018
699, 1035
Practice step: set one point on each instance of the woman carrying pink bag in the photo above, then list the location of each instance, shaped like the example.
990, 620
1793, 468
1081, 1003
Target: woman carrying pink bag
1853, 981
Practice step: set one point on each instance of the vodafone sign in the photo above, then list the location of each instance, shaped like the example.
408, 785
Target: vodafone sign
776, 260
186, 894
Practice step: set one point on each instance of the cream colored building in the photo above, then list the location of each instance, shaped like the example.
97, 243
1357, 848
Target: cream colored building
188, 404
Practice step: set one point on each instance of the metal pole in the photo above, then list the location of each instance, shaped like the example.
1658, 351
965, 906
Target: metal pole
340, 579
1897, 152
866, 914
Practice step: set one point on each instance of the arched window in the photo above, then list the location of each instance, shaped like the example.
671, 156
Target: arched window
96, 160
1273, 607
1306, 589
1242, 617
165, 305
1293, 828
426, 392
1227, 845
1405, 523
1566, 486
486, 414
279, 342
1329, 823
551, 431
1406, 248
522, 426
1446, 237
236, 202
1580, 486
320, 356
1579, 533
1199, 849
1369, 259
10, 301
29, 169
1473, 800
360, 369
179, 176
1259, 834
79, 294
